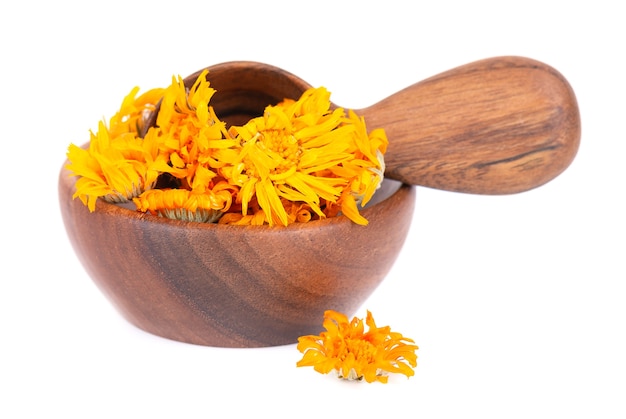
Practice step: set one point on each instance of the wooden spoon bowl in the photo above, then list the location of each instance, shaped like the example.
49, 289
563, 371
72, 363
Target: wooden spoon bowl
497, 126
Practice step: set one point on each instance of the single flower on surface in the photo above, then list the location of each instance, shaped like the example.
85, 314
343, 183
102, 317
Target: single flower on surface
301, 160
356, 354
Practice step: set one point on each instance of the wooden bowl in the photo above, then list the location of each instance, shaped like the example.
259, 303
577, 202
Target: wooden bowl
235, 286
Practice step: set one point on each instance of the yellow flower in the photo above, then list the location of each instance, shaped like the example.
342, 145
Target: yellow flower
190, 131
303, 151
190, 135
134, 112
186, 205
354, 354
117, 165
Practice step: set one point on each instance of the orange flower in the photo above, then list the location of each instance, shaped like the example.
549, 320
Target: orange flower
354, 354
182, 204
191, 134
118, 165
305, 152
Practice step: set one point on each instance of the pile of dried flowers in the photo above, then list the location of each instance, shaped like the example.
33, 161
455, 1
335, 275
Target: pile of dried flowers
301, 160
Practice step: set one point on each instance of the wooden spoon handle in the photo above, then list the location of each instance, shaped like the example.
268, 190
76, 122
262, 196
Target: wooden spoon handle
496, 126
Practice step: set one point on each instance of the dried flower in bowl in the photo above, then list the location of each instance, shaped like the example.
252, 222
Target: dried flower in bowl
299, 161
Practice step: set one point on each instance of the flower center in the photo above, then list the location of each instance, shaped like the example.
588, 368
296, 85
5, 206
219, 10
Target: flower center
285, 145
283, 148
362, 350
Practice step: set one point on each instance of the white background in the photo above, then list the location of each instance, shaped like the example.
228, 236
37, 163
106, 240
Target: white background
515, 301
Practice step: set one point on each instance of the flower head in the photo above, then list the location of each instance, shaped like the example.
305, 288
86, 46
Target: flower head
190, 137
118, 165
305, 152
355, 354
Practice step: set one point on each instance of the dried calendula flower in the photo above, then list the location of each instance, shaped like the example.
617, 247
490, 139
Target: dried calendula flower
305, 152
355, 354
118, 165
190, 137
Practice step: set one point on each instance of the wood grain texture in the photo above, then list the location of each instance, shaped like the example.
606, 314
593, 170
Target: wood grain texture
234, 286
497, 126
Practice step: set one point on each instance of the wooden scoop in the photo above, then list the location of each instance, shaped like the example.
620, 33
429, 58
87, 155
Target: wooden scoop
496, 126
